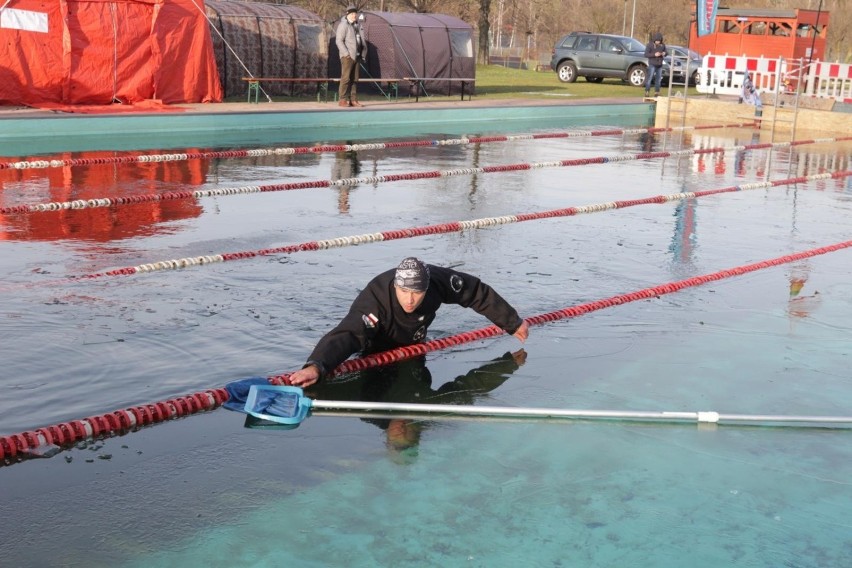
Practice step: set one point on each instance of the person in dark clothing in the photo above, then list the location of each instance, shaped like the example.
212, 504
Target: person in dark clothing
396, 309
350, 45
655, 51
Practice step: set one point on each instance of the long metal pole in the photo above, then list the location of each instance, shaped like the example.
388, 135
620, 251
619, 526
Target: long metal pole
816, 31
633, 18
708, 417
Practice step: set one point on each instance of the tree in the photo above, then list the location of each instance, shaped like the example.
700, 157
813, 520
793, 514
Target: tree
545, 21
484, 30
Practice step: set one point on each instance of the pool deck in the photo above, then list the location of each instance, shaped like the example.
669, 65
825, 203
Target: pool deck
28, 130
7, 112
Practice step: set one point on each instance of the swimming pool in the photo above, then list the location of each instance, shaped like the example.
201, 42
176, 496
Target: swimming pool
205, 490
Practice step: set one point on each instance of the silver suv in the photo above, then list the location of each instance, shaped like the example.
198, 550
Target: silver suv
599, 56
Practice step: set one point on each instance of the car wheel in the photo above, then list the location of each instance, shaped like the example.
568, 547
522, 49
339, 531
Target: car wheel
594, 79
567, 72
636, 75
694, 78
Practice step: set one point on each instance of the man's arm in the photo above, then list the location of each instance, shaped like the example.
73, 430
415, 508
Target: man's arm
470, 292
348, 337
340, 39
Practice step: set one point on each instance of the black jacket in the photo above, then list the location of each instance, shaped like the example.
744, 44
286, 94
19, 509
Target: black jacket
652, 48
376, 321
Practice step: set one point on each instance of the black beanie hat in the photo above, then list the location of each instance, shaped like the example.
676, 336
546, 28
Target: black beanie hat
412, 274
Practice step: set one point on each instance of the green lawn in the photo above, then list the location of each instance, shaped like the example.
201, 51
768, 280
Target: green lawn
497, 82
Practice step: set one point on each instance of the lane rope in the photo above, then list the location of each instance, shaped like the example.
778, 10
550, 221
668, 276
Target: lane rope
441, 228
125, 420
328, 148
373, 180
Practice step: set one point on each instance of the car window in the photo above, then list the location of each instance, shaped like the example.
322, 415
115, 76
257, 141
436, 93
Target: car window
586, 43
568, 42
610, 45
633, 45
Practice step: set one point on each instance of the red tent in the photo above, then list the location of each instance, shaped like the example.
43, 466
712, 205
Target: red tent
78, 52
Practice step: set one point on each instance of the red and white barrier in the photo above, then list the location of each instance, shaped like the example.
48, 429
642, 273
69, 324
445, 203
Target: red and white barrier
830, 81
724, 74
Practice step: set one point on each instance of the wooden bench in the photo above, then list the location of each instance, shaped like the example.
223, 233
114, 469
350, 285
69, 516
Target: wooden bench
418, 84
254, 85
509, 61
391, 93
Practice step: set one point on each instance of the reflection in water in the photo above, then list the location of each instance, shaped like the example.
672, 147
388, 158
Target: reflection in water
805, 160
741, 159
346, 165
410, 381
102, 224
801, 305
648, 142
685, 237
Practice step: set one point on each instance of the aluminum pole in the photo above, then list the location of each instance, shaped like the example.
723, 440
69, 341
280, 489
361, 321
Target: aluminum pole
706, 417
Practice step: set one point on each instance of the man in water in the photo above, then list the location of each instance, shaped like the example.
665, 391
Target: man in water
396, 309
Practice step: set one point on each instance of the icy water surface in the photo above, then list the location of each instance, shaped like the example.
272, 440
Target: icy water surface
374, 491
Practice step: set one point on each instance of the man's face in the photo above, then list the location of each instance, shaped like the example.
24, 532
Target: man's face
409, 299
352, 16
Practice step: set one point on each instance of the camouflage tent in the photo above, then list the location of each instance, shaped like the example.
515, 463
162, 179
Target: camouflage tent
271, 40
414, 45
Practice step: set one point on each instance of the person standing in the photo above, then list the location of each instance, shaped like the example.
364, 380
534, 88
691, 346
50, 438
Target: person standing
749, 94
350, 45
396, 308
655, 51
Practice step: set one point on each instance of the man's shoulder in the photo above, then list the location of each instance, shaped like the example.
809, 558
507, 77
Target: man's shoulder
382, 279
450, 278
439, 271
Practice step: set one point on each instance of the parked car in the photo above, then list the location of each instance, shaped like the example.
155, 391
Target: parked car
599, 56
681, 56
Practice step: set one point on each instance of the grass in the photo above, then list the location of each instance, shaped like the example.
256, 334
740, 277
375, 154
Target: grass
498, 82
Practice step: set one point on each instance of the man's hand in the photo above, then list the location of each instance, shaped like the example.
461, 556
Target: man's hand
522, 332
304, 377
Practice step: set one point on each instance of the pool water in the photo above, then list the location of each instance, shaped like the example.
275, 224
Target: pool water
216, 490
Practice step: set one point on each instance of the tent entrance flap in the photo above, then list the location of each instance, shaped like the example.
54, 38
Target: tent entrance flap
111, 53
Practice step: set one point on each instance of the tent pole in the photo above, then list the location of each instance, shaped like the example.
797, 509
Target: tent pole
375, 81
231, 49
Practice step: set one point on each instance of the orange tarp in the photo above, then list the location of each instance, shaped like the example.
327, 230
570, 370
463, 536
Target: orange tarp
100, 52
